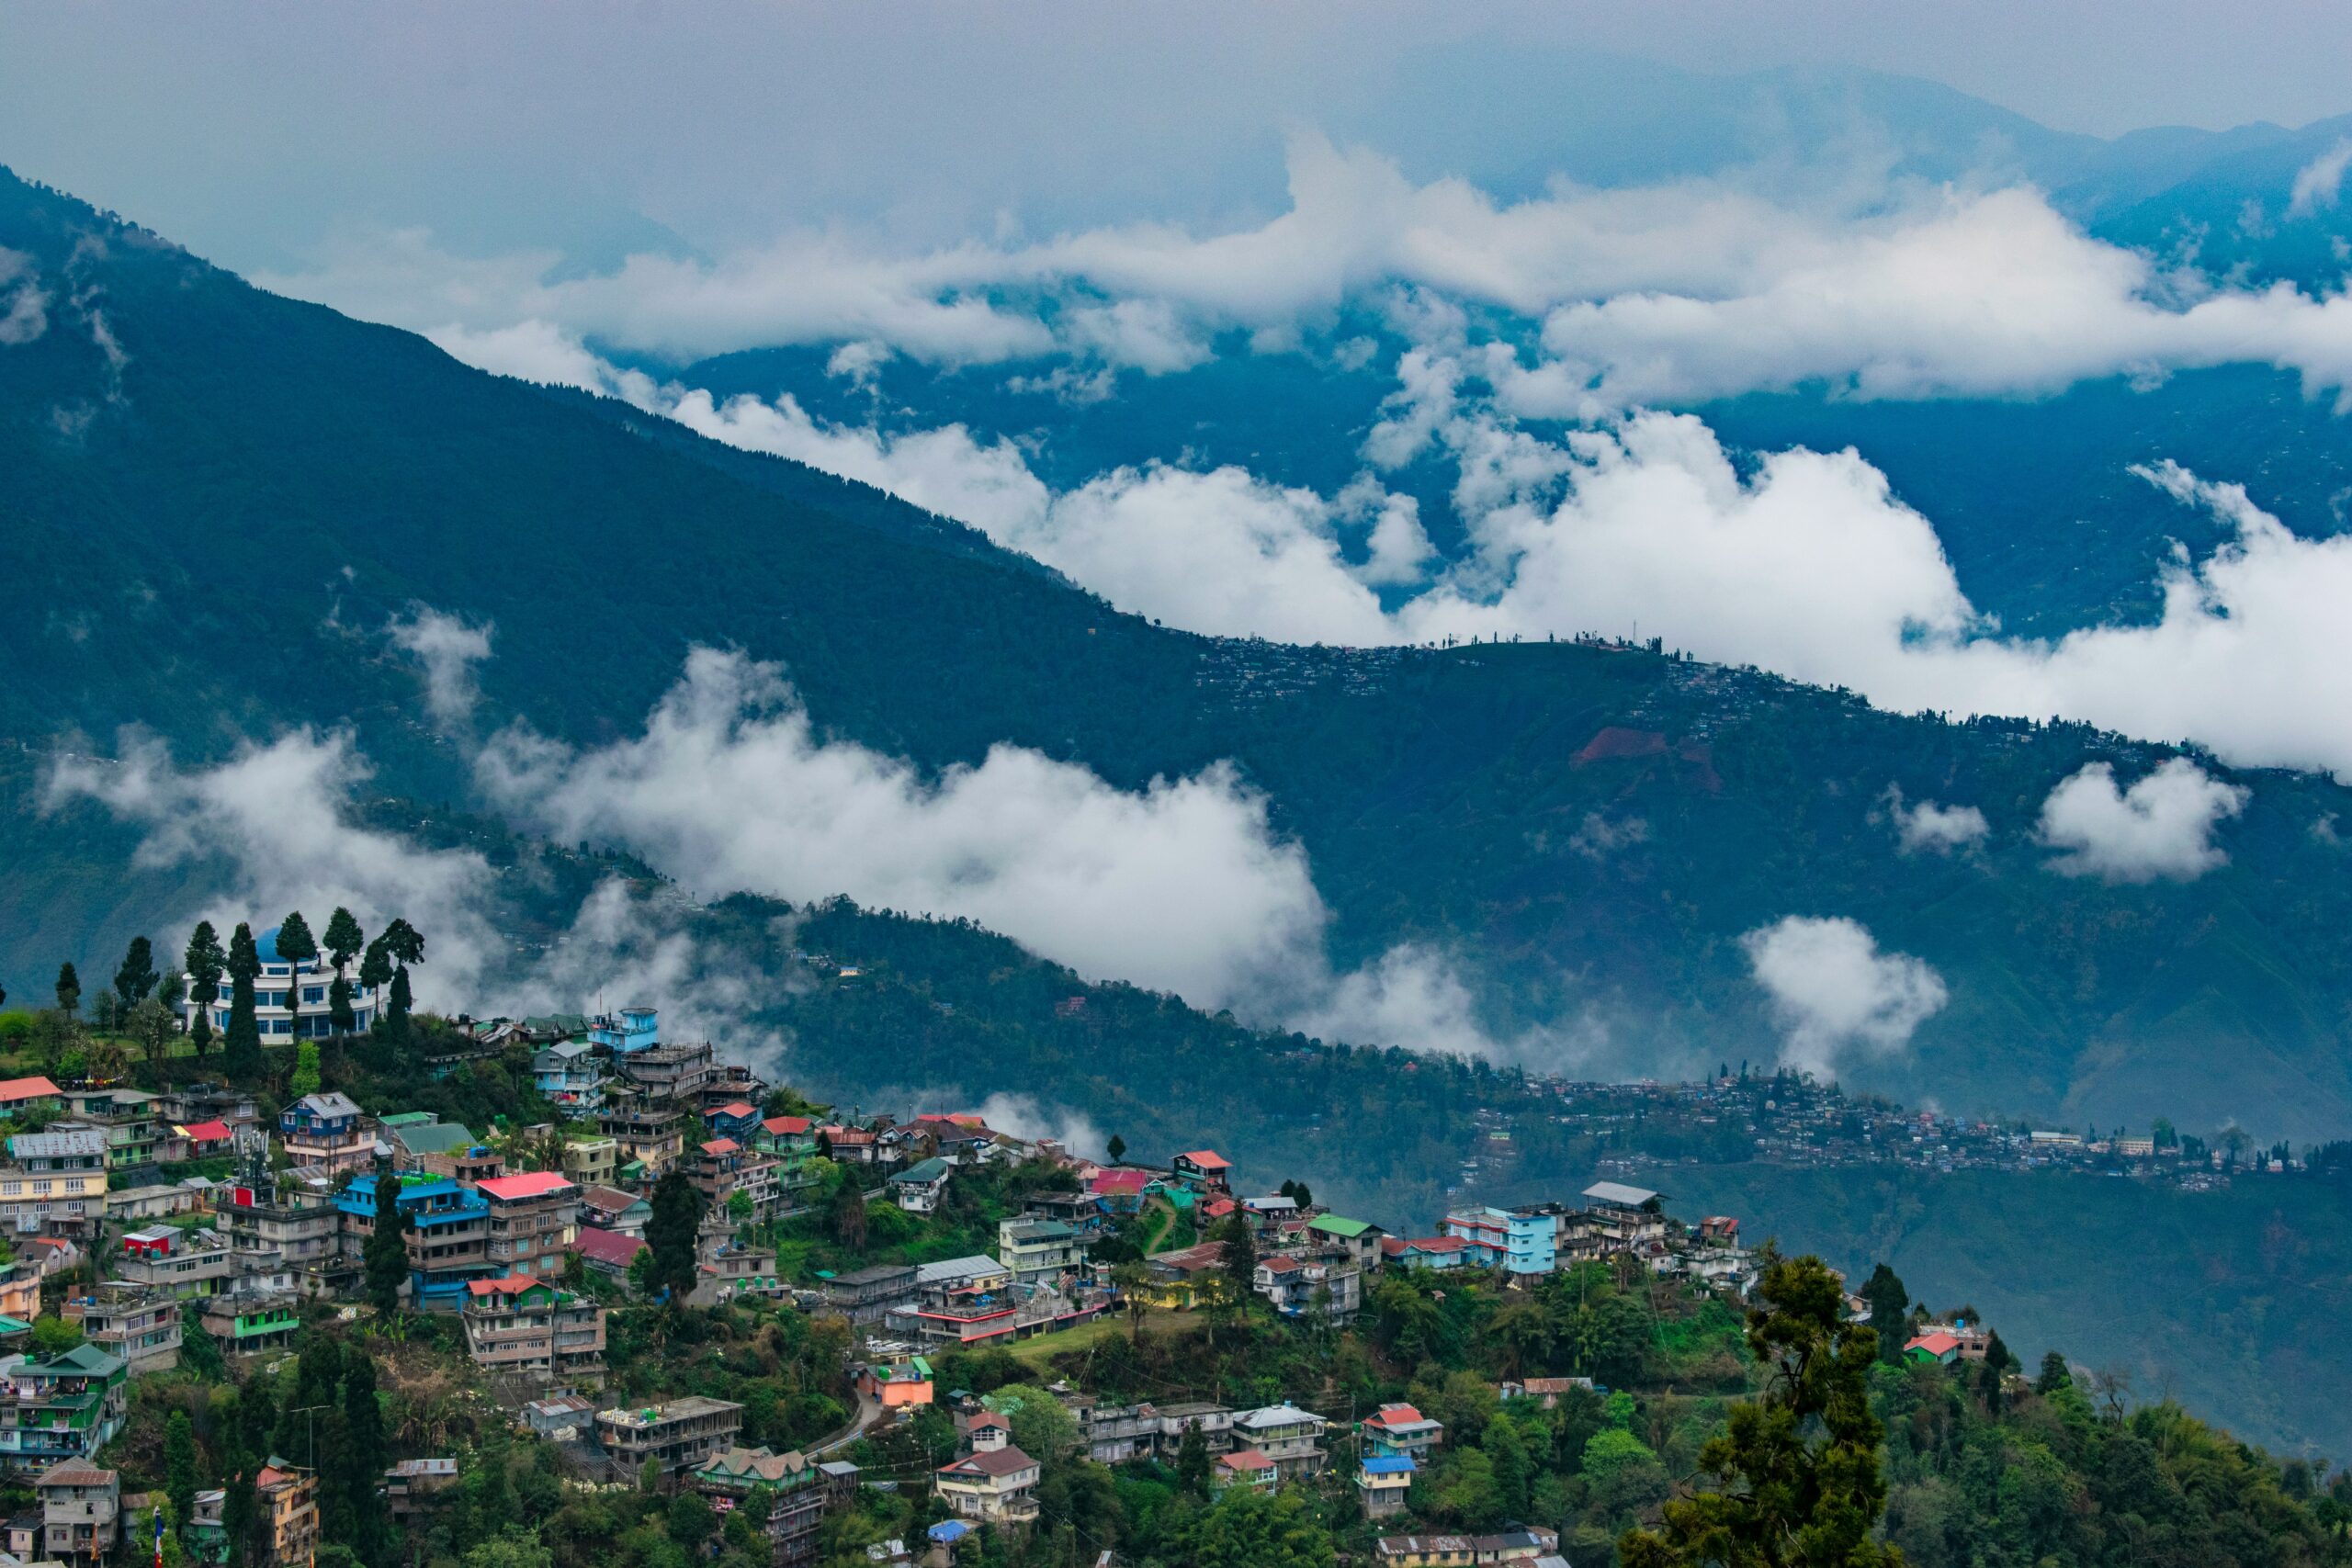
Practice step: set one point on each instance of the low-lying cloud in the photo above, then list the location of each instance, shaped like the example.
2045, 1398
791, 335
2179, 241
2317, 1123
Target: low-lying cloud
1833, 992
1693, 289
1927, 828
2161, 828
447, 647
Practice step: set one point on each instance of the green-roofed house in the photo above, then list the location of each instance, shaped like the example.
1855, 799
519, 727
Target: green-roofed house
400, 1119
425, 1138
68, 1407
1358, 1239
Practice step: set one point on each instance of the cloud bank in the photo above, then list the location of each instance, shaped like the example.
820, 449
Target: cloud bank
2160, 827
1833, 992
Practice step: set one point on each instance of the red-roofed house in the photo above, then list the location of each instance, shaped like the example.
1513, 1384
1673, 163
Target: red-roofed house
1245, 1466
786, 1134
607, 1250
534, 1218
1218, 1209
1401, 1429
736, 1118
1203, 1168
1932, 1348
1121, 1190
24, 1094
995, 1482
521, 1325
207, 1138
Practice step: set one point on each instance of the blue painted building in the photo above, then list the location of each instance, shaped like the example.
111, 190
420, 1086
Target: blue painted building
625, 1031
448, 1238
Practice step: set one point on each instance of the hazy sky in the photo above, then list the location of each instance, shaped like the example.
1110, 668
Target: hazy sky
252, 130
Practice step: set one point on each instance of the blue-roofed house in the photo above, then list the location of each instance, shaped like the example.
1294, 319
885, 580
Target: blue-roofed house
1384, 1484
448, 1238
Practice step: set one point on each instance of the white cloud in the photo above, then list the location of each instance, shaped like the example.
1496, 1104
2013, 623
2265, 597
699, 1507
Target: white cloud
2319, 182
2160, 827
1181, 886
24, 303
1833, 991
1685, 291
1927, 828
447, 647
275, 816
1022, 1116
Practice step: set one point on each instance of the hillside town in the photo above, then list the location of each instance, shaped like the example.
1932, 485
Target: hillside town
962, 1308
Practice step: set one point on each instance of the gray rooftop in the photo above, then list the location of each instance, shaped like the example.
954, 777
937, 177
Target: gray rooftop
1619, 1194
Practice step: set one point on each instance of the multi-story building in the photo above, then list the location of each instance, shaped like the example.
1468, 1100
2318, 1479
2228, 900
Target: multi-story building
448, 1233
414, 1486
1384, 1484
625, 1031
968, 1305
995, 1482
287, 1001
140, 1326
569, 1074
81, 1512
175, 1262
1358, 1241
712, 1168
1618, 1218
616, 1209
58, 1184
1517, 1241
680, 1434
730, 1272
1203, 1170
652, 1101
1038, 1251
189, 1103
250, 1322
521, 1327
291, 1499
284, 1239
533, 1218
591, 1162
1309, 1286
919, 1188
127, 1116
1292, 1438
866, 1294
796, 1491
65, 1407
327, 1130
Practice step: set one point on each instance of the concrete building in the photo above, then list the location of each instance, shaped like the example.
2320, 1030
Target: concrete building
533, 1219
67, 1407
290, 1498
591, 1162
140, 1326
625, 1031
249, 1323
995, 1482
796, 1494
519, 1327
1517, 1241
58, 1183
449, 1235
81, 1511
1292, 1438
865, 1295
1038, 1251
327, 1130
681, 1434
179, 1263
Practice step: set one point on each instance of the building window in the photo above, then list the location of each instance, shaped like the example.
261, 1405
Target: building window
314, 993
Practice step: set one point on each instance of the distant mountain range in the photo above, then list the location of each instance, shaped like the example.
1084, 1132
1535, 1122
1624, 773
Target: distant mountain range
212, 498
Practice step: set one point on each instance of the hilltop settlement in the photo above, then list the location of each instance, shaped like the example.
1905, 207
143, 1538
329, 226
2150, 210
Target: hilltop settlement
349, 1284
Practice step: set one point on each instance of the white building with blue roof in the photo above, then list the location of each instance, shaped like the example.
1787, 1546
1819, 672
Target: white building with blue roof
287, 1003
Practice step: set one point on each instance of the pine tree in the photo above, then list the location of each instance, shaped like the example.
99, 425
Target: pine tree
179, 1464
204, 961
343, 943
404, 946
241, 1046
384, 1255
298, 947
1192, 1460
1502, 1443
374, 972
1239, 1255
1117, 1148
69, 990
365, 1453
2054, 1375
1796, 1477
306, 1069
669, 1235
137, 977
1889, 1302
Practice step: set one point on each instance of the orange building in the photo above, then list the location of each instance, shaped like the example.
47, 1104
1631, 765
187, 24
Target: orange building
891, 1385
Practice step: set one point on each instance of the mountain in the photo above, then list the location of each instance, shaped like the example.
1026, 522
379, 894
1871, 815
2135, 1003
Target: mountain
212, 499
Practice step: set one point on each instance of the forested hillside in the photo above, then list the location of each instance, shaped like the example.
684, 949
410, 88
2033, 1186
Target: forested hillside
212, 500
